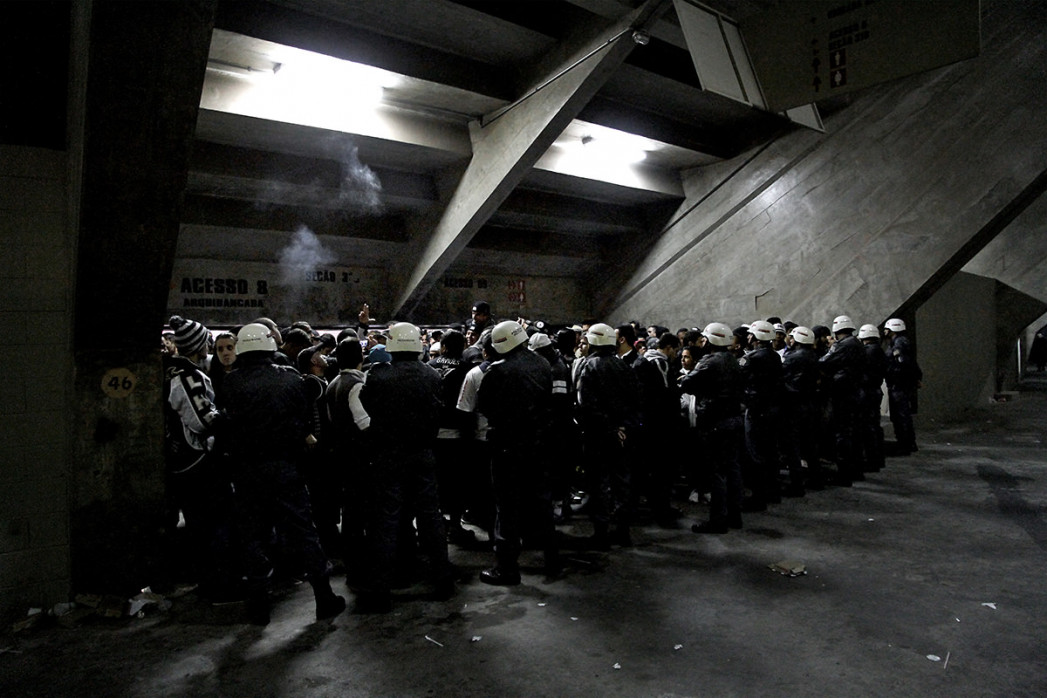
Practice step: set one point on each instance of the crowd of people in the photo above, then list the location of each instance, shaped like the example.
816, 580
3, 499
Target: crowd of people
301, 453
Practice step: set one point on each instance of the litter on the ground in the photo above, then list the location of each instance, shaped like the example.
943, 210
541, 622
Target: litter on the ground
476, 638
433, 641
677, 647
934, 658
617, 665
990, 604
574, 617
790, 568
542, 604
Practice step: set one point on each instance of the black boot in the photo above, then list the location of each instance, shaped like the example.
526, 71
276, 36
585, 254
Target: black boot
328, 604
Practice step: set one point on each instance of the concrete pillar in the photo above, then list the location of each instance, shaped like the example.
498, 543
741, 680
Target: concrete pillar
146, 63
968, 334
507, 145
36, 363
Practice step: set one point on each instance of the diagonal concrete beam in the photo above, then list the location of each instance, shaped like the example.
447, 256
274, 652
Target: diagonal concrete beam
506, 145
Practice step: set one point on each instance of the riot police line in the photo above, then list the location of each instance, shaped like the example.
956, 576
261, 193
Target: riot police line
365, 454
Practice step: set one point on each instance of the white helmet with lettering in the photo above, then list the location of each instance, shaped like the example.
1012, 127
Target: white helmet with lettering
803, 335
718, 334
868, 332
507, 335
254, 337
762, 330
841, 323
601, 335
895, 325
405, 337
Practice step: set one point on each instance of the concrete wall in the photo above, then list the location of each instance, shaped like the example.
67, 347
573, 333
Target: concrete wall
36, 364
1016, 256
347, 279
859, 219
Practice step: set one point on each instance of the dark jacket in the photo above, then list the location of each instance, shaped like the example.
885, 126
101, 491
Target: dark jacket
608, 393
761, 371
452, 374
403, 399
903, 373
516, 397
800, 373
339, 402
843, 363
716, 383
875, 370
267, 409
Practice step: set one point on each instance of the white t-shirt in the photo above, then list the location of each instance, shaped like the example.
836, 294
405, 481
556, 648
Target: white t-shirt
468, 398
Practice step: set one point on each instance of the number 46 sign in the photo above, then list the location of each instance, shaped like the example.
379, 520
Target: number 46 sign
118, 382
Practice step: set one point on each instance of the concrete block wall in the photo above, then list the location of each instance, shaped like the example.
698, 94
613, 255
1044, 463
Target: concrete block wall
859, 219
36, 365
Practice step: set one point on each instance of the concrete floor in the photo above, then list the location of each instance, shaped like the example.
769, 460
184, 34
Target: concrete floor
901, 569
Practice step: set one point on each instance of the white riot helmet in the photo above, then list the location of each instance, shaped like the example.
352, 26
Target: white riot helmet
539, 340
803, 335
762, 330
868, 332
254, 337
718, 334
895, 325
405, 337
507, 335
841, 323
601, 335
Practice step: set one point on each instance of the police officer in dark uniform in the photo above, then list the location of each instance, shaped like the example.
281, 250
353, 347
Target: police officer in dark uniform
870, 433
842, 365
903, 380
800, 412
561, 444
608, 393
716, 383
761, 370
515, 396
403, 400
267, 410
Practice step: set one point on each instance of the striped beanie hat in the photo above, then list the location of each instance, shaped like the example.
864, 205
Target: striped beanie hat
190, 337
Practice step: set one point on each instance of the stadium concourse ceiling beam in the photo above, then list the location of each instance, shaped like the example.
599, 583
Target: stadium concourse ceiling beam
508, 142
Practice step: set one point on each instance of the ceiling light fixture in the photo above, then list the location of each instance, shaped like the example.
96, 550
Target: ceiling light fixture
241, 71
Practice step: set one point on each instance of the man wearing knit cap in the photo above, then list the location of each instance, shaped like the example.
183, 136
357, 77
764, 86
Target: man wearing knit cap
194, 486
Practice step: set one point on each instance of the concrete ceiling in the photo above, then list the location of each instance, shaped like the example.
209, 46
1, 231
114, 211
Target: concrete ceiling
458, 66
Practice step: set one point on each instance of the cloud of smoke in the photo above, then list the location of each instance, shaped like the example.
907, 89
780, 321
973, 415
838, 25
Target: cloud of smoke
358, 190
360, 187
304, 255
